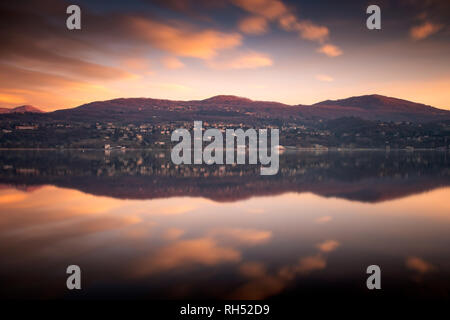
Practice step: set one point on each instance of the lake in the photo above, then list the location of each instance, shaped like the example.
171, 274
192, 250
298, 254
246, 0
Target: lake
140, 227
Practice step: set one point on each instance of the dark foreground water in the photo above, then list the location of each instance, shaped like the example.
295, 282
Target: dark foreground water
140, 227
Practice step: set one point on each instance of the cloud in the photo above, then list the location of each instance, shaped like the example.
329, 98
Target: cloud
328, 246
275, 10
203, 251
419, 265
103, 51
173, 87
306, 29
172, 63
136, 63
309, 264
9, 99
253, 25
175, 208
241, 236
182, 40
263, 285
48, 89
330, 50
325, 78
310, 31
45, 228
173, 233
193, 8
22, 30
39, 59
43, 60
424, 30
259, 288
324, 219
270, 9
15, 77
252, 269
248, 60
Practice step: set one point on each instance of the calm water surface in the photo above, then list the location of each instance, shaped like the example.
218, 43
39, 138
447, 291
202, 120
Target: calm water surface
140, 227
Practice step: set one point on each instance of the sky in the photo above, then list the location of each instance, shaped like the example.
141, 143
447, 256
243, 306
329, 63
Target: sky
295, 52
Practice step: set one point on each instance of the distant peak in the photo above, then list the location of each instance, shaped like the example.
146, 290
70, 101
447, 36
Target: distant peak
368, 97
227, 98
371, 101
25, 108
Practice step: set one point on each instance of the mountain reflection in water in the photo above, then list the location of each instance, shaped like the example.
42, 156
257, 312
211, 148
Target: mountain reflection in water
358, 175
140, 227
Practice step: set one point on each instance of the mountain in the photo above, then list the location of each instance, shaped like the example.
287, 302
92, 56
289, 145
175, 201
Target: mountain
227, 99
218, 108
21, 109
372, 121
227, 107
234, 109
376, 107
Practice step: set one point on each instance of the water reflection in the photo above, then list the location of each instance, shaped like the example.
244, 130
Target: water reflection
358, 175
140, 228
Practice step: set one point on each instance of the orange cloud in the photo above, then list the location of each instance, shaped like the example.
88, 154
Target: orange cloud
419, 265
276, 10
424, 30
328, 246
330, 50
307, 29
311, 31
264, 285
181, 41
44, 89
304, 266
172, 63
324, 77
253, 25
250, 60
8, 99
176, 208
324, 219
15, 77
74, 67
136, 63
12, 197
204, 251
241, 235
173, 233
252, 269
270, 9
259, 288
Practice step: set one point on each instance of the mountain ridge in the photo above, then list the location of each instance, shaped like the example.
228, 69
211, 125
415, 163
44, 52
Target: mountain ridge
368, 107
21, 109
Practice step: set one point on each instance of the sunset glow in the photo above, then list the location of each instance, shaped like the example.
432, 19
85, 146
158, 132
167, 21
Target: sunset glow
286, 51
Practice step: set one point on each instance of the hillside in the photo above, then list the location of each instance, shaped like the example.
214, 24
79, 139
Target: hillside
232, 108
21, 109
376, 107
359, 122
238, 109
